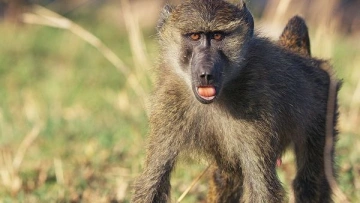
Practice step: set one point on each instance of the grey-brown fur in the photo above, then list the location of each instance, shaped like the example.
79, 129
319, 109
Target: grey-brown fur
224, 187
267, 97
295, 36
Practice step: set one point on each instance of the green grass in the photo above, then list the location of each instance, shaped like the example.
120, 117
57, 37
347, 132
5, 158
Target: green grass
51, 77
91, 142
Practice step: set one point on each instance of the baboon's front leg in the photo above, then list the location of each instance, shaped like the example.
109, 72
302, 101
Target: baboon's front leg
153, 185
258, 164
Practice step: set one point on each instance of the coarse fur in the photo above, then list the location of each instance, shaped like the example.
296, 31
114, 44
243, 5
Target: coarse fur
266, 97
295, 36
224, 187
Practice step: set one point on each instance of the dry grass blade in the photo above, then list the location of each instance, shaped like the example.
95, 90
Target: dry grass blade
43, 16
25, 144
137, 42
9, 177
192, 184
59, 172
61, 22
281, 10
9, 165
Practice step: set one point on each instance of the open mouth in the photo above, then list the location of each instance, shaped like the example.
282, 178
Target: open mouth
207, 93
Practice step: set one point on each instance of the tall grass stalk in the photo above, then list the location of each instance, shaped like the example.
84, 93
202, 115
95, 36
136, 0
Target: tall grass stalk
43, 16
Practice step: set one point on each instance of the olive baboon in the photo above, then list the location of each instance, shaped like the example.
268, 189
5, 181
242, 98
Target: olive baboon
238, 100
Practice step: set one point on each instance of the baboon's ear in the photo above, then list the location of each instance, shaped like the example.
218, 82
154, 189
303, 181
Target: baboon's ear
247, 16
165, 13
296, 36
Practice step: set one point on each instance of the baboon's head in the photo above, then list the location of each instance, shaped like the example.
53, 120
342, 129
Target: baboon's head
204, 42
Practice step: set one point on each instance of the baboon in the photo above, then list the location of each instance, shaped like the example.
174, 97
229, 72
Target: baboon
237, 100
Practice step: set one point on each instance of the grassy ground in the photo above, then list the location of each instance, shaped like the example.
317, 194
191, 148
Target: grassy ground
72, 130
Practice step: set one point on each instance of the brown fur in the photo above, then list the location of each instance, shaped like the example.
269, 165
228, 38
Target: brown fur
267, 97
295, 36
224, 187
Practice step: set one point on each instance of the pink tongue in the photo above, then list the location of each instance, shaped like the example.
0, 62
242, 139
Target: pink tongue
207, 92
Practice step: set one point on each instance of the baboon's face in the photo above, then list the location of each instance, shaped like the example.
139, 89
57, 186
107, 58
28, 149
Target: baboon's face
207, 38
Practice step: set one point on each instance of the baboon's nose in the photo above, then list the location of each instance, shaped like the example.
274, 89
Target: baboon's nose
206, 78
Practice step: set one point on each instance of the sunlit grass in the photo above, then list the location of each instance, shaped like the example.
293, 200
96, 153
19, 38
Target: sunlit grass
53, 78
92, 127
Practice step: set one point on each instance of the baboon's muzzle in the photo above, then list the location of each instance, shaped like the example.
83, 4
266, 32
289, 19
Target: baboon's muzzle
206, 71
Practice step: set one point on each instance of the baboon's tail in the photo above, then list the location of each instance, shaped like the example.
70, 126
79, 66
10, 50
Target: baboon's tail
295, 36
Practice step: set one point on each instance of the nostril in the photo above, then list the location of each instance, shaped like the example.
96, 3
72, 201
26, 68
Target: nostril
203, 75
209, 78
206, 78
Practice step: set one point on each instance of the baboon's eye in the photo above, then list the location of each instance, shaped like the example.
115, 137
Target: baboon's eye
195, 36
218, 36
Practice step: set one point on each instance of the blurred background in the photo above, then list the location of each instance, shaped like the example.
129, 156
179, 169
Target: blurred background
74, 81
